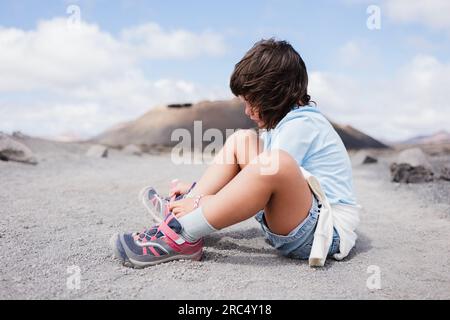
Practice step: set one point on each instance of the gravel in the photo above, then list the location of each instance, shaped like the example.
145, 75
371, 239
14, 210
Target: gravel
57, 217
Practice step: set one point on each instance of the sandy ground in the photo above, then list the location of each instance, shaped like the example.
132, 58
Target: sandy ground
62, 212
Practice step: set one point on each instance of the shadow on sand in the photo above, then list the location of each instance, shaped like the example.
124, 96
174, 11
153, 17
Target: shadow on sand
262, 254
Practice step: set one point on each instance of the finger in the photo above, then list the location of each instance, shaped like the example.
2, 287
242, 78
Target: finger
176, 203
180, 213
174, 191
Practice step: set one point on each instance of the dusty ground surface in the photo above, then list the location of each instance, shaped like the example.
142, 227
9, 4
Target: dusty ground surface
62, 212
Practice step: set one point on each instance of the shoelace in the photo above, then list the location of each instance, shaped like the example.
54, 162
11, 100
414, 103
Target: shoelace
181, 196
147, 234
152, 233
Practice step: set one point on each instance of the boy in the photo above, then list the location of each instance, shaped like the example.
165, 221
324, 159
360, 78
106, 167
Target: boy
296, 178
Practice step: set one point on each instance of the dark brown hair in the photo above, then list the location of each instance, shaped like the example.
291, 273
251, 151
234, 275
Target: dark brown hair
272, 78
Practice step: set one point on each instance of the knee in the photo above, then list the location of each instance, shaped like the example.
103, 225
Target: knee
246, 146
243, 136
276, 163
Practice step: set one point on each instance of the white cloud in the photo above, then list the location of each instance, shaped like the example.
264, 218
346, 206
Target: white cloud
87, 79
87, 111
151, 41
432, 13
414, 101
54, 56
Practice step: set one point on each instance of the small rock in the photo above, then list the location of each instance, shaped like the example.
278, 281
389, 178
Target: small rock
132, 149
363, 157
369, 159
12, 150
97, 151
405, 173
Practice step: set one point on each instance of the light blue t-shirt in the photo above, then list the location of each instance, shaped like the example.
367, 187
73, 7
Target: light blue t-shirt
312, 141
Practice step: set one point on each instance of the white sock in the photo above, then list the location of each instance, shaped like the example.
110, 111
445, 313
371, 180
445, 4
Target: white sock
195, 225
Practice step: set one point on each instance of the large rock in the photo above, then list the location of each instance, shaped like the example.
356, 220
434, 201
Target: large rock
445, 173
405, 173
414, 157
12, 150
412, 166
132, 149
97, 151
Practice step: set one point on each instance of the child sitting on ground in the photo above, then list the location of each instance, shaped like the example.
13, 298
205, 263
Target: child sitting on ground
295, 178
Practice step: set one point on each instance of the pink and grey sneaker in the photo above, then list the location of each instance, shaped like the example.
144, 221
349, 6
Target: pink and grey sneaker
157, 205
156, 245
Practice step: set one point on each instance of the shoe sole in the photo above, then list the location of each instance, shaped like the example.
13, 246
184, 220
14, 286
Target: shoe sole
120, 254
140, 264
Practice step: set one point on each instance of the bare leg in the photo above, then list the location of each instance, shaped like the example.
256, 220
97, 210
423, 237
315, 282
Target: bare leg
239, 149
284, 195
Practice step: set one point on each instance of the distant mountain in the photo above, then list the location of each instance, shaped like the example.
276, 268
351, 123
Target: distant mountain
355, 139
67, 137
156, 126
435, 138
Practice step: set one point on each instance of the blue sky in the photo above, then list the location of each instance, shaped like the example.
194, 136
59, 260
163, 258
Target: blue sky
389, 82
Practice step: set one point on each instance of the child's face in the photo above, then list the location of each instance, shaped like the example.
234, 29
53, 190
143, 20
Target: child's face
251, 113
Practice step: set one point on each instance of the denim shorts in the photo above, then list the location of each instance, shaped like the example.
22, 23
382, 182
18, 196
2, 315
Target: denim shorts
297, 244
